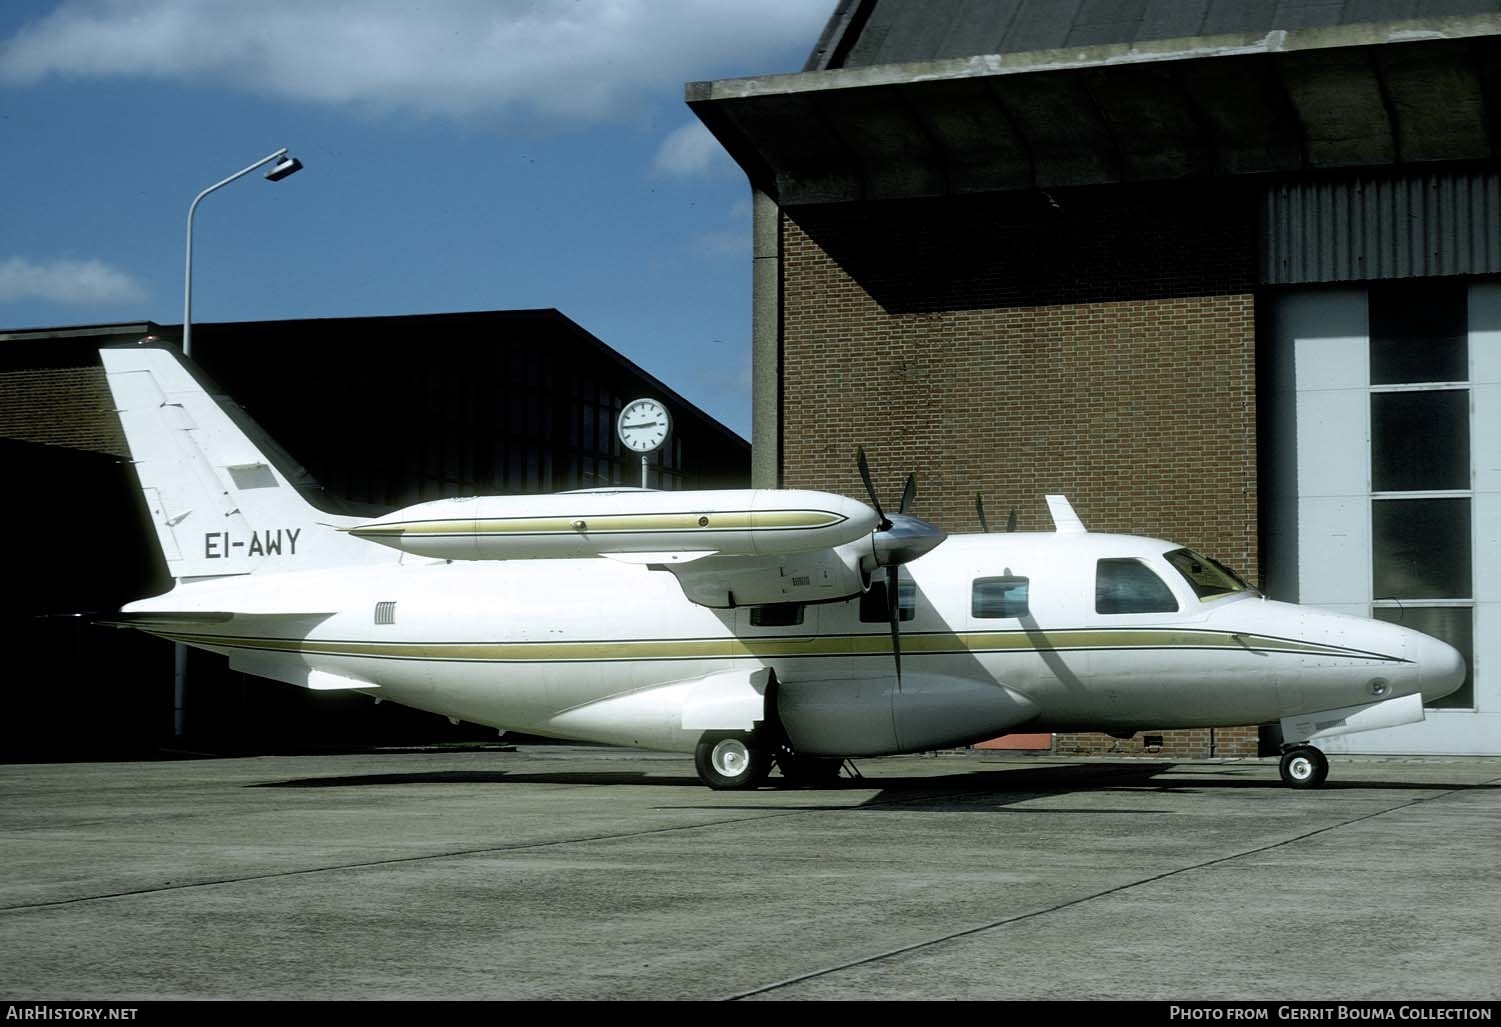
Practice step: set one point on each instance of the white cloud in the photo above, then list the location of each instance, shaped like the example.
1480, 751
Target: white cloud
67, 281
688, 150
575, 60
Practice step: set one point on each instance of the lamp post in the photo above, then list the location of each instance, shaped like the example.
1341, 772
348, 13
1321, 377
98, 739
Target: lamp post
285, 166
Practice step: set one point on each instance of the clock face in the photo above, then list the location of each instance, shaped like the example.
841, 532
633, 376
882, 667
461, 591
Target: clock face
643, 425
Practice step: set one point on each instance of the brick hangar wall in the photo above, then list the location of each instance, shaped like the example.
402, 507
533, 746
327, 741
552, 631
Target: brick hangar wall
1097, 343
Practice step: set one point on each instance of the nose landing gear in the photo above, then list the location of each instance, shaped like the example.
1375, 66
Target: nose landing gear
1303, 766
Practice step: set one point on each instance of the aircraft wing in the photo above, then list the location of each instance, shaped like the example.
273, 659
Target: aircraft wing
726, 548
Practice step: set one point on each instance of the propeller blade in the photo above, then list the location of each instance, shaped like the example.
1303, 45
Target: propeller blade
980, 510
1011, 521
893, 610
870, 489
909, 493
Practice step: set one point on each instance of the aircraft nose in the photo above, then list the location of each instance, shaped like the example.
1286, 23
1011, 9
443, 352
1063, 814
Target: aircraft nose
1441, 669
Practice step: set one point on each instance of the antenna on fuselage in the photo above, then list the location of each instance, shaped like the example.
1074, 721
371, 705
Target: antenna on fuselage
1065, 521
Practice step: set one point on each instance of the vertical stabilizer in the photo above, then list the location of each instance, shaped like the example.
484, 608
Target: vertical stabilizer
218, 504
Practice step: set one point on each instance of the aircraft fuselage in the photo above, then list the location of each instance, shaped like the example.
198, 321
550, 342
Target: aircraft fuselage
602, 651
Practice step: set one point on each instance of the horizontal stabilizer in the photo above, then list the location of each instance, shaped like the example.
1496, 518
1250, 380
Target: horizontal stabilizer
164, 619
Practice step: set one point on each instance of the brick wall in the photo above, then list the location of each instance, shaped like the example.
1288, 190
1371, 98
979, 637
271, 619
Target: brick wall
65, 406
1192, 743
1099, 344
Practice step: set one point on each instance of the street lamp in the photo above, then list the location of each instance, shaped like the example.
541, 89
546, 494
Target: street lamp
285, 166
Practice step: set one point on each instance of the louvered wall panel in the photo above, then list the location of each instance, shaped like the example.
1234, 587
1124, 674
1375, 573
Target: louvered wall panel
1356, 229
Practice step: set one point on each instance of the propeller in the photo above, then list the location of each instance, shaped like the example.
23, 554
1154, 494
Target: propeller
984, 525
893, 560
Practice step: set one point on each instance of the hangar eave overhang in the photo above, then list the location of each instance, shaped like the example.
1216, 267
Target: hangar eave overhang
1350, 96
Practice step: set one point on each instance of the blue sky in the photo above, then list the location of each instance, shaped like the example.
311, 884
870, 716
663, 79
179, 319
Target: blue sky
460, 155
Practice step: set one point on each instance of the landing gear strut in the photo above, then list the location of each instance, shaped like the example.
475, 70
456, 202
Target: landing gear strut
1304, 766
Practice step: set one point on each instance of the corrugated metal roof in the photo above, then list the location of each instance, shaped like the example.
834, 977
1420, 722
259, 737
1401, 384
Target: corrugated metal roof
864, 33
1357, 229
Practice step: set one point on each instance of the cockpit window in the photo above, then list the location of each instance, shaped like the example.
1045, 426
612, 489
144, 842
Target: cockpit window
1208, 578
1130, 586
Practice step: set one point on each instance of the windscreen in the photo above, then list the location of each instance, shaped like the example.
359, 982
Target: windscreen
1208, 578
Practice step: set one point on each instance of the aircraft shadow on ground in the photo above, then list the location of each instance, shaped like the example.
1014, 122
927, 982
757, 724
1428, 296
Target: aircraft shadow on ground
970, 791
491, 777
1011, 785
982, 791
1333, 784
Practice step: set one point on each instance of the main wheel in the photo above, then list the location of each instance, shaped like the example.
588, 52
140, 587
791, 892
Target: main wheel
809, 770
1303, 766
730, 762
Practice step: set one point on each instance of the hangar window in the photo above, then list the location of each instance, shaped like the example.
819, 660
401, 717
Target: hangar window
998, 597
1422, 465
873, 603
1129, 586
777, 615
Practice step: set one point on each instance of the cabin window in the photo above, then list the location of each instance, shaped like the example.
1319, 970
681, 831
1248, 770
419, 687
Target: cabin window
1206, 577
873, 602
1130, 586
776, 615
1000, 598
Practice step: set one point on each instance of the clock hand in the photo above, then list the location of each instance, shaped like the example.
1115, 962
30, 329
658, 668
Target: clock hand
642, 424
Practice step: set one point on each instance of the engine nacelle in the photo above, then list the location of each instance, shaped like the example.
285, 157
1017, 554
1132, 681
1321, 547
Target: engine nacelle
869, 717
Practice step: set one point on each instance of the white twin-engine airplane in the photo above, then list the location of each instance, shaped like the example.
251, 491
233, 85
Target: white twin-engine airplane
749, 628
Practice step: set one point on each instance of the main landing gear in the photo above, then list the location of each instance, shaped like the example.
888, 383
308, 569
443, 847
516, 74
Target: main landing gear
736, 760
731, 761
1303, 766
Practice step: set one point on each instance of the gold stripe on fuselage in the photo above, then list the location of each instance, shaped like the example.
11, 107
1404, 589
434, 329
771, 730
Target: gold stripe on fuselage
774, 647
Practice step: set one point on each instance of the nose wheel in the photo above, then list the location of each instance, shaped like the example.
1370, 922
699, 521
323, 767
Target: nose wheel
1304, 766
